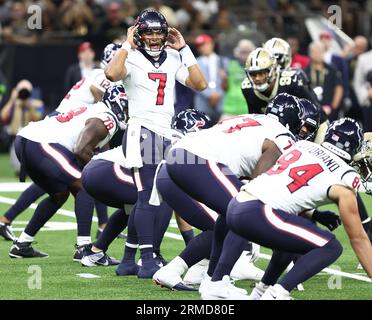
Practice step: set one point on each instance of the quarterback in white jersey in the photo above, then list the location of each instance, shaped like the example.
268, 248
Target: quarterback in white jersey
306, 176
149, 70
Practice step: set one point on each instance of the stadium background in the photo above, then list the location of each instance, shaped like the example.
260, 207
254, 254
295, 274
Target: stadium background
43, 56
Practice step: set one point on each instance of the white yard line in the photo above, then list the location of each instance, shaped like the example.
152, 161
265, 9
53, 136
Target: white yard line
179, 237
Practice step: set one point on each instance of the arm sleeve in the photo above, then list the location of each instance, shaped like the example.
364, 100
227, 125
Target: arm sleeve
109, 120
351, 180
182, 74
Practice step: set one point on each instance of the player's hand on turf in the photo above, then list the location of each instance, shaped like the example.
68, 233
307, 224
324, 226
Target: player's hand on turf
130, 36
327, 218
176, 39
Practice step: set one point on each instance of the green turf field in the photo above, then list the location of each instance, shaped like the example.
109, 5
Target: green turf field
59, 279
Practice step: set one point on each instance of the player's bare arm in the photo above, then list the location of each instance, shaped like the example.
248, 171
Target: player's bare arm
196, 79
93, 133
115, 70
97, 93
348, 207
270, 153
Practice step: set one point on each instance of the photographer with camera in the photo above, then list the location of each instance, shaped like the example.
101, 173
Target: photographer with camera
18, 111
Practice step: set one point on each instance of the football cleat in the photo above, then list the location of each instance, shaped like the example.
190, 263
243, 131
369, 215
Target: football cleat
276, 292
148, 270
6, 232
207, 280
194, 275
222, 290
244, 269
258, 291
93, 259
25, 250
160, 261
79, 251
167, 277
127, 268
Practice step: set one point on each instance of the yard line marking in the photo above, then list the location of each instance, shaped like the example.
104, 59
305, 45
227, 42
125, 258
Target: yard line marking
14, 186
87, 275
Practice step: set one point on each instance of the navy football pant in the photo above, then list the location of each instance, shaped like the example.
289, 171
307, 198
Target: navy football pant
214, 185
285, 232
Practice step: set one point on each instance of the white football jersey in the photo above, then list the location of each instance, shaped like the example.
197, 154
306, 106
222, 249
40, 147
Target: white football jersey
237, 142
65, 128
301, 178
114, 155
80, 93
150, 87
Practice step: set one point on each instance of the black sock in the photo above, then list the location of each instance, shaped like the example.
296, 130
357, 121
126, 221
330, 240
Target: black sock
162, 219
84, 205
32, 193
187, 235
116, 224
199, 248
44, 211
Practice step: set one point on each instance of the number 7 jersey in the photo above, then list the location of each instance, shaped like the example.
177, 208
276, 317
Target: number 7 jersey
302, 177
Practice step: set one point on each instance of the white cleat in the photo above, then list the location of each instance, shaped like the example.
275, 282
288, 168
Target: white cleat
244, 269
258, 291
222, 290
194, 275
276, 292
169, 276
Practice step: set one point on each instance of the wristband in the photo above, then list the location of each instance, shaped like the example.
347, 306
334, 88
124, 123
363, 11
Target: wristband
187, 57
126, 46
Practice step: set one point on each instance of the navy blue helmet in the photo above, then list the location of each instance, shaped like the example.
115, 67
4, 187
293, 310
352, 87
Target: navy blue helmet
151, 21
288, 110
108, 53
310, 120
116, 99
344, 137
191, 120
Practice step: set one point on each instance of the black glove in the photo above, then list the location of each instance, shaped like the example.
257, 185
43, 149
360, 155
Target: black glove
327, 218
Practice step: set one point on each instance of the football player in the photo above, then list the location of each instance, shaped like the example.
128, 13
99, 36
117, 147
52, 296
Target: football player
106, 180
87, 91
207, 166
150, 65
54, 161
266, 209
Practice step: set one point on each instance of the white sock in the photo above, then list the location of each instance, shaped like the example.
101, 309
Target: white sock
83, 240
179, 265
24, 237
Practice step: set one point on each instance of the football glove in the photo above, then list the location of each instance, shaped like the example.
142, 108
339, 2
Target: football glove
327, 218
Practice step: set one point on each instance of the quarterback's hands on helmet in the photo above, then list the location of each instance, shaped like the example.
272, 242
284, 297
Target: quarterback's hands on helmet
327, 218
177, 41
130, 36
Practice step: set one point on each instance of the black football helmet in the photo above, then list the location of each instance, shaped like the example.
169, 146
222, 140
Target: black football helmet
191, 120
151, 21
288, 110
344, 138
310, 120
116, 100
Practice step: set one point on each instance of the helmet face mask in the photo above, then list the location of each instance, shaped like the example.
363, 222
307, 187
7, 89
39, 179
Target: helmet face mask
362, 162
152, 32
310, 120
260, 63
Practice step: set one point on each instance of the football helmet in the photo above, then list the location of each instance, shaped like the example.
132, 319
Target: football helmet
288, 110
191, 120
261, 61
281, 50
344, 138
150, 22
116, 100
362, 162
310, 120
108, 53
